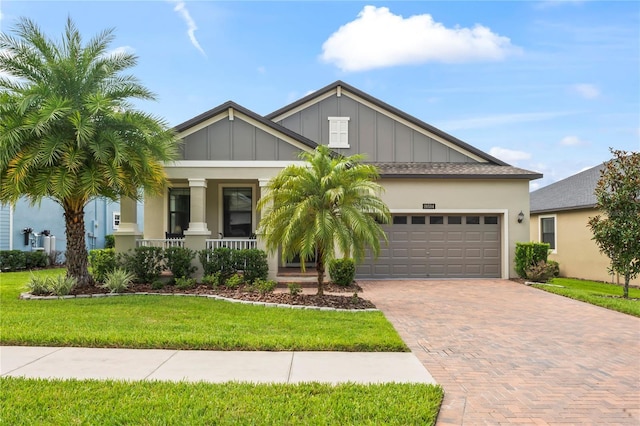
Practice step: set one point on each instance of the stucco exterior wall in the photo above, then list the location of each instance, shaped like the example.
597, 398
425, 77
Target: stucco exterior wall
576, 252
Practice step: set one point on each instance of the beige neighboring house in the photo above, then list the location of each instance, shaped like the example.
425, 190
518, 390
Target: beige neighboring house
455, 208
559, 216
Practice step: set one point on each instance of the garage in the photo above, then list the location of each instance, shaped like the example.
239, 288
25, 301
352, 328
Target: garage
438, 246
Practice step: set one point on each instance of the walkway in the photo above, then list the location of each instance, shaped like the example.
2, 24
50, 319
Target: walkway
508, 353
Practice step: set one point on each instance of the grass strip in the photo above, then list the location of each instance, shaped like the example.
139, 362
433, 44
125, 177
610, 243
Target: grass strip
54, 402
596, 293
162, 322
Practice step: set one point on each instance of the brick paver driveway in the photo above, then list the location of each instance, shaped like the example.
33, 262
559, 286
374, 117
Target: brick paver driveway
508, 353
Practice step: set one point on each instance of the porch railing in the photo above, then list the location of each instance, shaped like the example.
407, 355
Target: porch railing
161, 242
234, 244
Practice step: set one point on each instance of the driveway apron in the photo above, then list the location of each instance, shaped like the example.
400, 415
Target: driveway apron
506, 353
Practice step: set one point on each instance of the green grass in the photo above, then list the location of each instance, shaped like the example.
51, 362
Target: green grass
57, 402
183, 323
596, 293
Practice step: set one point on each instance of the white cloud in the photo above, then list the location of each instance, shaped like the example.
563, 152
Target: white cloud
509, 155
181, 8
573, 141
587, 91
500, 120
377, 38
122, 49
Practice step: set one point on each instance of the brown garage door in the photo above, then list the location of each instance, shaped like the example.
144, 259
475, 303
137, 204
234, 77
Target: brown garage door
438, 246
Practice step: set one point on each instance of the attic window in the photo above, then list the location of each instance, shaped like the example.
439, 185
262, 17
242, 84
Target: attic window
338, 132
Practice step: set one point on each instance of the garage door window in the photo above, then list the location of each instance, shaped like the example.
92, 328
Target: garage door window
491, 220
473, 220
436, 220
399, 220
454, 220
418, 220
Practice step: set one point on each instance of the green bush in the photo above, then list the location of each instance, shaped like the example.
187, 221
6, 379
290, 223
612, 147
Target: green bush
555, 267
178, 261
118, 280
102, 262
529, 254
253, 262
146, 263
212, 280
183, 283
38, 285
61, 285
218, 260
157, 285
109, 241
342, 271
35, 259
234, 281
294, 288
541, 272
264, 286
12, 260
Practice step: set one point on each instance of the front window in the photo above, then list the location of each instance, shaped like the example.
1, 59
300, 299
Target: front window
116, 220
237, 205
179, 210
548, 231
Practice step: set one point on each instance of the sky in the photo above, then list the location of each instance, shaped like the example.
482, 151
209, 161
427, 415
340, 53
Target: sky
548, 86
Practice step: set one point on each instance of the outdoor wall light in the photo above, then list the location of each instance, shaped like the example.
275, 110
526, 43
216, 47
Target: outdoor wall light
520, 217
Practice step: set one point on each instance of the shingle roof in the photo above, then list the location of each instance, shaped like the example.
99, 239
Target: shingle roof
451, 170
574, 192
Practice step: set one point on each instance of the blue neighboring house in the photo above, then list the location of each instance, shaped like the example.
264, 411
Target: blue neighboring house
23, 226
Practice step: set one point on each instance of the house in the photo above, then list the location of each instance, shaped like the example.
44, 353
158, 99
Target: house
559, 216
455, 208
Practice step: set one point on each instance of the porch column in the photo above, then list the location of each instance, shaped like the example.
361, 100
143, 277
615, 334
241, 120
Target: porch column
195, 237
272, 258
128, 232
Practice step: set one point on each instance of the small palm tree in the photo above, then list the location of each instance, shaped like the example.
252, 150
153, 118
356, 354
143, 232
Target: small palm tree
69, 132
331, 202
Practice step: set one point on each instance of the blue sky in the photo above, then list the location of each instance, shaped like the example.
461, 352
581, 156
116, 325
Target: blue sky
544, 85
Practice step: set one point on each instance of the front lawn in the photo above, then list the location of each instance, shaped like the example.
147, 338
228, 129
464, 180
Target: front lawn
183, 323
57, 402
606, 295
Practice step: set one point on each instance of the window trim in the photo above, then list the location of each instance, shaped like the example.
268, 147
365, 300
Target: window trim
333, 143
221, 188
115, 225
554, 250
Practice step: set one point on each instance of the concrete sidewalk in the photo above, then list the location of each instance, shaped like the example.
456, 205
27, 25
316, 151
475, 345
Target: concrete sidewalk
211, 366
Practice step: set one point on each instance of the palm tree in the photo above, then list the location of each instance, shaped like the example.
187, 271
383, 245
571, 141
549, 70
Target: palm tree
331, 202
69, 132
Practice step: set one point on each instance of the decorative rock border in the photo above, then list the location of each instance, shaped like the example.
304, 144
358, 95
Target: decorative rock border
29, 296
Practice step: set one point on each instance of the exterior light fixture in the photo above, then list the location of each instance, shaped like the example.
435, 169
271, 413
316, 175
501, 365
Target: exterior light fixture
520, 217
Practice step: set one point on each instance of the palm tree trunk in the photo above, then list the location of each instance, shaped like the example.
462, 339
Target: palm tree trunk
76, 255
320, 270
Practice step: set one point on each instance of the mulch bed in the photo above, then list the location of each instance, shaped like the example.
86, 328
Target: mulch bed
351, 299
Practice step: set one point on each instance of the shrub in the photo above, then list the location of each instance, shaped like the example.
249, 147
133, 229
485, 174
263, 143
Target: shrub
555, 266
118, 280
35, 259
253, 262
342, 271
212, 280
178, 261
61, 285
264, 286
234, 281
218, 260
541, 272
185, 283
12, 260
55, 257
38, 285
102, 262
109, 241
294, 288
146, 263
529, 254
157, 285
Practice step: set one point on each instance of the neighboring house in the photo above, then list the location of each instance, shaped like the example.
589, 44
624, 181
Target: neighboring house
23, 226
455, 208
559, 216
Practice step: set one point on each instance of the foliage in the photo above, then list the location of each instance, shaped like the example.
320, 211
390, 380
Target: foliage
36, 259
184, 283
253, 263
157, 285
38, 285
118, 280
178, 260
61, 285
294, 288
102, 262
12, 260
617, 234
110, 402
264, 286
529, 254
342, 271
555, 268
234, 281
55, 257
109, 241
218, 260
212, 280
146, 263
541, 272
331, 202
69, 129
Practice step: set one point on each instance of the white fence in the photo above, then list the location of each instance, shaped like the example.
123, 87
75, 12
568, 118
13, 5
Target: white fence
234, 244
164, 243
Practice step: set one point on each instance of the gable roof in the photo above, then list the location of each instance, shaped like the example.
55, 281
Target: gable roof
234, 106
340, 85
574, 192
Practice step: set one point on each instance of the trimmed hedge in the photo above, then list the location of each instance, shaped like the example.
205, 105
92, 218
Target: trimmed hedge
530, 254
342, 271
102, 262
16, 260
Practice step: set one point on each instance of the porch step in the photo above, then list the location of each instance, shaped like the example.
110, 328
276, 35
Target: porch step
297, 278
